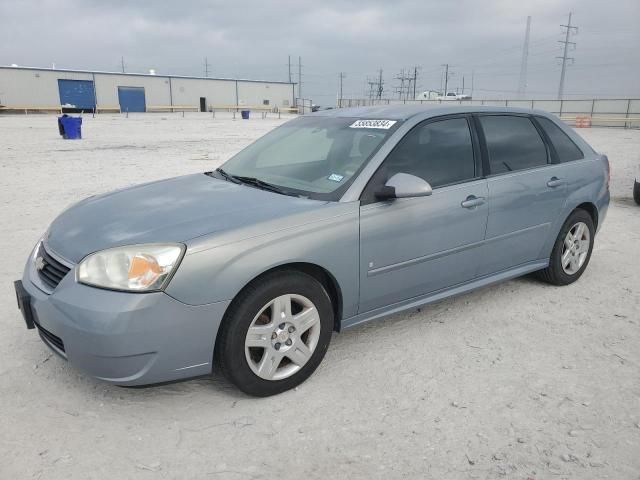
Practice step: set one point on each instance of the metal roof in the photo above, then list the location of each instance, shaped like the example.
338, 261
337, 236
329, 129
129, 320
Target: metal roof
403, 112
99, 72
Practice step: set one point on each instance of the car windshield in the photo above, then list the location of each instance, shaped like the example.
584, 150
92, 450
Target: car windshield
317, 157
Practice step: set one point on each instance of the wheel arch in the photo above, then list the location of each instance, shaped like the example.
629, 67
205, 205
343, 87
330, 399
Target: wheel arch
321, 274
591, 209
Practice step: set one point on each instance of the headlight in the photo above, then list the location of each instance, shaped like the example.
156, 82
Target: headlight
134, 268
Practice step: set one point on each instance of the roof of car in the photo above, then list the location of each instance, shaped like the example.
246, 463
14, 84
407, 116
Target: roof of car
404, 112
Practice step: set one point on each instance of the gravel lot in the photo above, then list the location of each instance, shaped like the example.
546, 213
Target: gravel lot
521, 380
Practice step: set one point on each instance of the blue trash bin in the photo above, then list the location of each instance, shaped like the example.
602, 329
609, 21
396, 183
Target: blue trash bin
245, 114
70, 127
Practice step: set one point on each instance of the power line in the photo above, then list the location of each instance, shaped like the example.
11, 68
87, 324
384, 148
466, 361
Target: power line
566, 42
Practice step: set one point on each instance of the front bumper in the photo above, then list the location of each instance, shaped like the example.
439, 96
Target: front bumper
125, 338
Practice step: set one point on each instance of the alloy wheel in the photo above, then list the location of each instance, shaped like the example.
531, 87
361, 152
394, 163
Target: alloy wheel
575, 248
282, 337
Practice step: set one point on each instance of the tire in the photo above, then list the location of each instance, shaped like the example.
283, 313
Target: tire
555, 273
636, 192
247, 357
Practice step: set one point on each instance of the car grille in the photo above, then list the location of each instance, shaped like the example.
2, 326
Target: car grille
50, 338
50, 270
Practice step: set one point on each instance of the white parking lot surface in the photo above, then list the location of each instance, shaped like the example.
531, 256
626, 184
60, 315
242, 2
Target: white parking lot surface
520, 380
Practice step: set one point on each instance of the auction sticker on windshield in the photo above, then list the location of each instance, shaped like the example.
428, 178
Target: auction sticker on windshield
382, 124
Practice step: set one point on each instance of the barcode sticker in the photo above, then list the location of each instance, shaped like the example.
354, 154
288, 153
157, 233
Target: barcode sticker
382, 124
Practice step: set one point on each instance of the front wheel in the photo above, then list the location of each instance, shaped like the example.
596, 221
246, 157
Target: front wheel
636, 192
275, 333
572, 251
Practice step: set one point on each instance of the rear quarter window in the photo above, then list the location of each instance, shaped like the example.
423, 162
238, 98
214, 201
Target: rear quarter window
564, 146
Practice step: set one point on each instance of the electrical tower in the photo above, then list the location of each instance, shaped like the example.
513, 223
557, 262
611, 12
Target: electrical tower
569, 30
373, 88
522, 84
380, 86
400, 89
206, 67
407, 85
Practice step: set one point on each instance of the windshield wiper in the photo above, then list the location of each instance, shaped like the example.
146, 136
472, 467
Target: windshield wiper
223, 174
256, 182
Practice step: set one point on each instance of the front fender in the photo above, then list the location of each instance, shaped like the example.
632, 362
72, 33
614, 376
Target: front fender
216, 269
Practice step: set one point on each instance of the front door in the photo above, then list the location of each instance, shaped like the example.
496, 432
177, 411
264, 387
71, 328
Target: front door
203, 104
414, 246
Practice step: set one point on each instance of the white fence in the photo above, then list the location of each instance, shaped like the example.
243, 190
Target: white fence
622, 112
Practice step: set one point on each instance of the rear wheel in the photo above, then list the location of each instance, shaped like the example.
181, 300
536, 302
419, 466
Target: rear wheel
275, 333
636, 191
572, 251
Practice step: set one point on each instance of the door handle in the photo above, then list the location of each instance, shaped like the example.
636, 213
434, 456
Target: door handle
472, 201
555, 182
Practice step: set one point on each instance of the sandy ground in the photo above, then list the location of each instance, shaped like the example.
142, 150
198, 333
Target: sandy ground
521, 380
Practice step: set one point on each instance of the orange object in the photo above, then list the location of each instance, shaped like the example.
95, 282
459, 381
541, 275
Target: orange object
583, 121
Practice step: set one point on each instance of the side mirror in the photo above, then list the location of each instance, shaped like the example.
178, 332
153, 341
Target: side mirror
403, 185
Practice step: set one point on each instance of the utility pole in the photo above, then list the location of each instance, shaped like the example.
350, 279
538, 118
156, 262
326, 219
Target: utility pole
415, 81
300, 79
206, 67
446, 78
289, 68
566, 42
341, 75
522, 84
472, 78
122, 63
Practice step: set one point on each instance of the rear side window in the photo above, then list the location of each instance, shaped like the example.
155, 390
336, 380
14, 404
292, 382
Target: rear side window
564, 146
513, 143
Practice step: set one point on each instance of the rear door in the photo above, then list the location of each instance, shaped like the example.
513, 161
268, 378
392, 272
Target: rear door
526, 191
414, 246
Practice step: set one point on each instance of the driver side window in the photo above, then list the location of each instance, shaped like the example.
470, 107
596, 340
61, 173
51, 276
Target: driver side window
439, 152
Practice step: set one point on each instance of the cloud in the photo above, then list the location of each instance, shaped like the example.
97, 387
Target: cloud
253, 39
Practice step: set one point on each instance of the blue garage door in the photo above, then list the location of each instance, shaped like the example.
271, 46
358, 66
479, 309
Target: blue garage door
131, 99
77, 94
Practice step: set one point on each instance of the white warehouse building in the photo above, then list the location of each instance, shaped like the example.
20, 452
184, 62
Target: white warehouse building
24, 88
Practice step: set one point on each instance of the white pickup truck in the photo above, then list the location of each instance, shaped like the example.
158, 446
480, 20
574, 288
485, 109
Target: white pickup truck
454, 96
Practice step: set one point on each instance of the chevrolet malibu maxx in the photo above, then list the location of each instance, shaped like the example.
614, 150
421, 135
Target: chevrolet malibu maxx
330, 220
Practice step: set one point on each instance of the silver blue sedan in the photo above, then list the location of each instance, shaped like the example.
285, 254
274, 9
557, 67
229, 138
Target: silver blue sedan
331, 220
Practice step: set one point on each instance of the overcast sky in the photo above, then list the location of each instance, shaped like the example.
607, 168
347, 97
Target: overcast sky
254, 39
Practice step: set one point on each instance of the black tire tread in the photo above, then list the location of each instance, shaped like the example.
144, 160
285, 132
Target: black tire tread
225, 335
554, 274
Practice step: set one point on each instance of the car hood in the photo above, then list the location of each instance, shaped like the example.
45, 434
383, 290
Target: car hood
173, 210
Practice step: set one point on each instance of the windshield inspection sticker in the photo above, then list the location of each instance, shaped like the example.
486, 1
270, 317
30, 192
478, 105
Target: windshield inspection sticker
334, 177
382, 124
